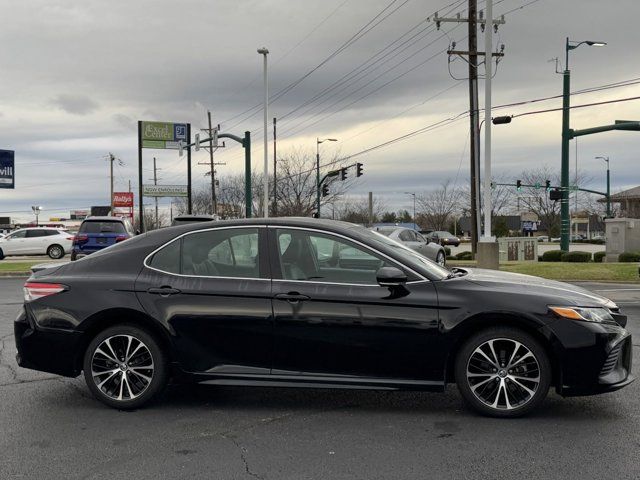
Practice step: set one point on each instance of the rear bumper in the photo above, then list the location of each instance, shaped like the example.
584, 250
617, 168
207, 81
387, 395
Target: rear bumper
46, 350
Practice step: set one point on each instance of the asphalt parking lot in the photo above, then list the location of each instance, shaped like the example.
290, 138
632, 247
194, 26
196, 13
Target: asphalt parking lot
51, 428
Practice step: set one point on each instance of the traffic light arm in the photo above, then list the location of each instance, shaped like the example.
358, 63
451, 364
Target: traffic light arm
619, 125
552, 187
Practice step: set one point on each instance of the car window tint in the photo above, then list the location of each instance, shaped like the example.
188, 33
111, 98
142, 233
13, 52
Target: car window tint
105, 226
312, 256
20, 234
167, 259
51, 233
221, 253
36, 233
420, 237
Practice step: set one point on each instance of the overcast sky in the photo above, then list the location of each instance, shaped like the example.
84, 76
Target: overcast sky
78, 75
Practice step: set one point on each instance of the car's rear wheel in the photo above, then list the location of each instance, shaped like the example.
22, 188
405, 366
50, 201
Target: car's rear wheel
1, 254
125, 367
441, 258
55, 251
503, 372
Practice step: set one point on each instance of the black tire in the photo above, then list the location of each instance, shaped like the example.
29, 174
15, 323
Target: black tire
55, 251
501, 380
1, 254
73, 256
150, 363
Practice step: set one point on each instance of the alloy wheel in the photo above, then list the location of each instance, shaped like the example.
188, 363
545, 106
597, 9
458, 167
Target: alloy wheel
503, 374
441, 259
122, 367
55, 252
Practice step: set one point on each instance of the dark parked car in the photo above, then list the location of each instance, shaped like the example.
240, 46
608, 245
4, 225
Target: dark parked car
184, 219
444, 238
415, 241
97, 233
314, 303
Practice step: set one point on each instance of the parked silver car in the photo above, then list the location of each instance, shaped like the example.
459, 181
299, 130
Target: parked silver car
415, 241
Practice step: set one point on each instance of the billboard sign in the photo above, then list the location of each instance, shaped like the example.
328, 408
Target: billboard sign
7, 166
123, 199
164, 190
163, 134
78, 214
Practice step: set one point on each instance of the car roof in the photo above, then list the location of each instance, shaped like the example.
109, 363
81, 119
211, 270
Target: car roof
103, 219
184, 217
39, 228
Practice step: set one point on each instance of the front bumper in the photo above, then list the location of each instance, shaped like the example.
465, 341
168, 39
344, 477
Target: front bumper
46, 350
592, 358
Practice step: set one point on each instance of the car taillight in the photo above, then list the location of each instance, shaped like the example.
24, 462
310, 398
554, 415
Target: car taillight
35, 290
80, 239
121, 238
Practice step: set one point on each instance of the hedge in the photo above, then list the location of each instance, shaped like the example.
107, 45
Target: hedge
451, 257
553, 256
447, 251
598, 256
464, 256
576, 257
629, 257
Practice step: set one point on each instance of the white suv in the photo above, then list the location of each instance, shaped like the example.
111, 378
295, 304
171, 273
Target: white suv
36, 241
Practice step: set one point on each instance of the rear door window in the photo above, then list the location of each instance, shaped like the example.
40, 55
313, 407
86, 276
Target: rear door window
36, 233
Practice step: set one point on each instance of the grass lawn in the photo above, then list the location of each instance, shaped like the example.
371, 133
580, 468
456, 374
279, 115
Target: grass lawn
16, 267
613, 272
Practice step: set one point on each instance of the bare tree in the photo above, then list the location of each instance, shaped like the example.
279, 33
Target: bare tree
356, 210
437, 208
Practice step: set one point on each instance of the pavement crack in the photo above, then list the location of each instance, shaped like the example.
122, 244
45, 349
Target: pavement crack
243, 456
35, 380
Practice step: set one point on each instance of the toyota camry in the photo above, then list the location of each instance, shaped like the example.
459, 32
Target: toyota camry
314, 303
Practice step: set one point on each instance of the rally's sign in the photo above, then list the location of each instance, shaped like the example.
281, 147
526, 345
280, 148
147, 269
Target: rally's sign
164, 190
163, 134
7, 169
123, 199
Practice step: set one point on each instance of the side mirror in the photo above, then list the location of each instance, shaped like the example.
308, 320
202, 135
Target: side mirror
391, 277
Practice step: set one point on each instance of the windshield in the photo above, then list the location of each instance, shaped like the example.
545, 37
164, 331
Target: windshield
105, 226
406, 254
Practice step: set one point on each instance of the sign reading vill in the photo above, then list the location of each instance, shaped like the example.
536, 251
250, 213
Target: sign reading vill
7, 166
163, 134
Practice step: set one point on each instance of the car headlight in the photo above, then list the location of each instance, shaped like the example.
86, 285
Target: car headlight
598, 315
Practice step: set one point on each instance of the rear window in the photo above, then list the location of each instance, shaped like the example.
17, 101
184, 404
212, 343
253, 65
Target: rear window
103, 226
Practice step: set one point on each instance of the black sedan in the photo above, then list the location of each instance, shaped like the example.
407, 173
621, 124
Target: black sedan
313, 303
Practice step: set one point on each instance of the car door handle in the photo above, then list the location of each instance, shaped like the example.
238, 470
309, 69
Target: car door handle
163, 291
291, 297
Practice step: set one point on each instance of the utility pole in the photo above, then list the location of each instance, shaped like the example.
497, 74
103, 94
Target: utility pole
370, 209
112, 158
275, 177
210, 131
474, 117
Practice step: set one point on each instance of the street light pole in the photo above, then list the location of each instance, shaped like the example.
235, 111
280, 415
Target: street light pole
318, 142
414, 205
606, 159
488, 47
564, 171
265, 192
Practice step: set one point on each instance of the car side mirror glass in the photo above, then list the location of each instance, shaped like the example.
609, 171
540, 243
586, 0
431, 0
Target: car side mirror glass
391, 277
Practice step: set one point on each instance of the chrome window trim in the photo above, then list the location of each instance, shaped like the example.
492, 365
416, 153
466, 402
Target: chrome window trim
146, 259
259, 226
353, 240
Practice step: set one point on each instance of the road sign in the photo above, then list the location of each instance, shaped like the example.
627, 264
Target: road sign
165, 190
7, 166
163, 135
123, 199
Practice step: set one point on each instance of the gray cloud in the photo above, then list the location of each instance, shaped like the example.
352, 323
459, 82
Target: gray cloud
75, 104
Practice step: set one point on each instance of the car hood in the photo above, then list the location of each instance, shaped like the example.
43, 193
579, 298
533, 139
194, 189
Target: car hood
551, 290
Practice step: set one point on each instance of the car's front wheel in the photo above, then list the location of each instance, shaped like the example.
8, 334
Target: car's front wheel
441, 258
125, 367
55, 251
503, 372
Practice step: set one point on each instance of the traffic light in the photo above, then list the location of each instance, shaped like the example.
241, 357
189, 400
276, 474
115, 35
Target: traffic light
343, 173
518, 185
359, 169
548, 185
325, 190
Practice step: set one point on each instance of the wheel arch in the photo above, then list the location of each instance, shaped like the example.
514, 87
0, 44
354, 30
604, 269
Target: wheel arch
118, 316
484, 321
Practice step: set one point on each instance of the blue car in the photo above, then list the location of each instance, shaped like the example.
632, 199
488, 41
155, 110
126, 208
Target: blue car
96, 233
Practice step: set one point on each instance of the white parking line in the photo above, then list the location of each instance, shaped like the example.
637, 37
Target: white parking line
620, 290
